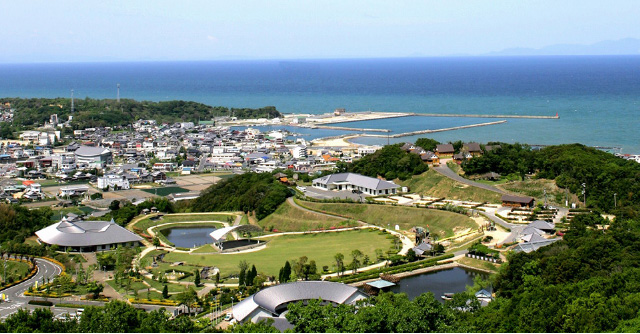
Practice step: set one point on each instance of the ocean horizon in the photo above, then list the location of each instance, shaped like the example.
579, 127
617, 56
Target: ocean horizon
596, 97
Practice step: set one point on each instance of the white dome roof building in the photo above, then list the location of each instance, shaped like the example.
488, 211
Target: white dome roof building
87, 236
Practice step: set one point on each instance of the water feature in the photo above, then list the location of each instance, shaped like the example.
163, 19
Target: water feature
189, 237
438, 282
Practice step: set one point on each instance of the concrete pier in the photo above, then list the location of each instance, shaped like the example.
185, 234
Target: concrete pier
331, 127
488, 116
420, 132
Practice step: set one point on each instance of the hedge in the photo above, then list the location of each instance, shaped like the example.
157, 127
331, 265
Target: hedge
40, 302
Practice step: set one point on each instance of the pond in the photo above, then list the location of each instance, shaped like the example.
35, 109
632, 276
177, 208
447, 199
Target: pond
189, 237
438, 282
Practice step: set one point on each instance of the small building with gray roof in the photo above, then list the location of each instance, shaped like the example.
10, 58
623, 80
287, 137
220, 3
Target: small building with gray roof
352, 181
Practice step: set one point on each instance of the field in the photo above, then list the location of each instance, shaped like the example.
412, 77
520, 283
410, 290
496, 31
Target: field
433, 184
479, 264
165, 191
289, 218
320, 247
144, 224
442, 223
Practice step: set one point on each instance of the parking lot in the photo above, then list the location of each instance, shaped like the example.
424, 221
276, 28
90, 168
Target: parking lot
328, 194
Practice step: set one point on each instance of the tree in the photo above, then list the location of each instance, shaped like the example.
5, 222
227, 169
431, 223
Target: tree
427, 143
218, 277
165, 292
156, 242
356, 254
115, 205
188, 298
339, 258
95, 289
411, 255
196, 278
285, 275
241, 277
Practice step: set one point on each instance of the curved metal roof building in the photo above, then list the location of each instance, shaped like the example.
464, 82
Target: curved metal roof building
86, 234
273, 301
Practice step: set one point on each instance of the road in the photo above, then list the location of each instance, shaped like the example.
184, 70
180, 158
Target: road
446, 171
15, 293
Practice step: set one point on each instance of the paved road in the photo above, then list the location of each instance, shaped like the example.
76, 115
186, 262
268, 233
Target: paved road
15, 293
446, 171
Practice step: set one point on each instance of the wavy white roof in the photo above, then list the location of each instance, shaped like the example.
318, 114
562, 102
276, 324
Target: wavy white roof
85, 233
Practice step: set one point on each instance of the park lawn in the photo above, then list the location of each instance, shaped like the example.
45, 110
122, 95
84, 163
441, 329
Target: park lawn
166, 191
431, 183
486, 265
288, 218
205, 249
320, 247
442, 223
121, 289
172, 287
144, 224
16, 269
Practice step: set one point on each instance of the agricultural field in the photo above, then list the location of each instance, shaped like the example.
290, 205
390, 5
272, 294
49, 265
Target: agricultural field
442, 223
320, 247
288, 218
431, 183
165, 191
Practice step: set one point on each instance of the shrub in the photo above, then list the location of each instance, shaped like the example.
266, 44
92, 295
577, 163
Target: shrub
40, 302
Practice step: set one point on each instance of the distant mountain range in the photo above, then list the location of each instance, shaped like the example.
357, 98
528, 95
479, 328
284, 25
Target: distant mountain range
627, 46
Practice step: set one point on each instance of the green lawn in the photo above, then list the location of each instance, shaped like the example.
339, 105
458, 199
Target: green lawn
144, 224
166, 191
121, 289
431, 183
16, 269
320, 247
440, 222
289, 218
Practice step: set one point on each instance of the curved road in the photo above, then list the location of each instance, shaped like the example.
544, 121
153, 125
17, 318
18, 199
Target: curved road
446, 171
46, 269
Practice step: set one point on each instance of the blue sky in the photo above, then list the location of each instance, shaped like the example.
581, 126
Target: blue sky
66, 30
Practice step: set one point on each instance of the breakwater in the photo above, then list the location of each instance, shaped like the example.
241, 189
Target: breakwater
331, 127
488, 116
419, 132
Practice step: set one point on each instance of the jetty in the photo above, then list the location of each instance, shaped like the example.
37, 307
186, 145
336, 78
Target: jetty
331, 127
488, 116
420, 132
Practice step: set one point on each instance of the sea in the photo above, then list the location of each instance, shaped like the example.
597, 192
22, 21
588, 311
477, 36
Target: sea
596, 97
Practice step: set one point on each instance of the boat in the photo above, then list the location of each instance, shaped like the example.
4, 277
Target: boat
447, 296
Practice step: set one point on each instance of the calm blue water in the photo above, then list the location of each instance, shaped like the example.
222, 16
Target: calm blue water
189, 237
598, 98
452, 280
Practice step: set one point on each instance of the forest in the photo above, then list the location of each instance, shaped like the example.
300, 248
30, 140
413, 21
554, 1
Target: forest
250, 192
90, 112
570, 166
390, 162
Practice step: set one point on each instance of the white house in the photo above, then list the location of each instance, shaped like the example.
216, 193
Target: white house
299, 152
353, 181
112, 181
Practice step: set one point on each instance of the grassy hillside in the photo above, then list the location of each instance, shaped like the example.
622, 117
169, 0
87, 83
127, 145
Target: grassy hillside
431, 183
443, 223
289, 218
